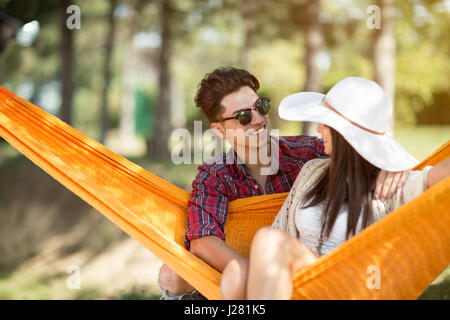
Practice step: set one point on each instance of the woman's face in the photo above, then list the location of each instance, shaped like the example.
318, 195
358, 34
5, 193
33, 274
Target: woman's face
326, 136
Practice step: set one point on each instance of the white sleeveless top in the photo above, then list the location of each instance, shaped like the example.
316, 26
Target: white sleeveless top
305, 224
308, 224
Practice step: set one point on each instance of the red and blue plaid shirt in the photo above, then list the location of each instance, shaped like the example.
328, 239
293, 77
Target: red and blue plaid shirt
220, 181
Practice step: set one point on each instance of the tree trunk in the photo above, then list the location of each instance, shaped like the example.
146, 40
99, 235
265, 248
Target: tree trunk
66, 65
127, 138
313, 44
383, 52
248, 9
107, 71
159, 144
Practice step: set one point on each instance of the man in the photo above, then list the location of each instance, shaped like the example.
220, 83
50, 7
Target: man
257, 164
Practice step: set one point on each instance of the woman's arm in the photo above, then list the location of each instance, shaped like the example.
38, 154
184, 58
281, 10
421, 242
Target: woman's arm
439, 172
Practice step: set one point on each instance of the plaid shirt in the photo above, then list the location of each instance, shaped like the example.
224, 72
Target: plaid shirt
223, 179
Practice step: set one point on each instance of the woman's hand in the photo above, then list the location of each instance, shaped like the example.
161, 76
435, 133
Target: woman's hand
388, 183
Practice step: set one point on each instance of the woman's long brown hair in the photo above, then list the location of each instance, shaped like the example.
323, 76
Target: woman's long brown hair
348, 180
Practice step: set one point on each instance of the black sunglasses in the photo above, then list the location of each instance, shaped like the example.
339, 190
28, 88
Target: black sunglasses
245, 116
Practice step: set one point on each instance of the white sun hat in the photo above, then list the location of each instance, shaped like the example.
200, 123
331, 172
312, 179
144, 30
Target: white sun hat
360, 110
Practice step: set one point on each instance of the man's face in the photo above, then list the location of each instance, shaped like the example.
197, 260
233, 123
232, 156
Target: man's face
253, 135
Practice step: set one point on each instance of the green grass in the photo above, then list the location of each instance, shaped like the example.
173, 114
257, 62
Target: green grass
24, 285
422, 141
7, 152
136, 293
440, 290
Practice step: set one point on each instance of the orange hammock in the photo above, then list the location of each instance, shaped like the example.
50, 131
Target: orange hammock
409, 248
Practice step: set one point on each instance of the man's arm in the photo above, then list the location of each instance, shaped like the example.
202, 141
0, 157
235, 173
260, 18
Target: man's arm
213, 251
439, 172
204, 238
216, 252
208, 210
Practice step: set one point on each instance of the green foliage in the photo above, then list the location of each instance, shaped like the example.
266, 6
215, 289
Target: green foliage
421, 141
422, 50
208, 34
439, 289
422, 63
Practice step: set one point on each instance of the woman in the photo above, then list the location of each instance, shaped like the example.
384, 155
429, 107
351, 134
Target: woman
331, 199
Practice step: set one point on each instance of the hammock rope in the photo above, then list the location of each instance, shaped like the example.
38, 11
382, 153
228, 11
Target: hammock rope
410, 247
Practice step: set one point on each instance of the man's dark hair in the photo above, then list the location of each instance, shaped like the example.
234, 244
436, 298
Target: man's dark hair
219, 83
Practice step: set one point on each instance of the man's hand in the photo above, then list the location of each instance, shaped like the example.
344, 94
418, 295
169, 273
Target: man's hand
388, 183
172, 282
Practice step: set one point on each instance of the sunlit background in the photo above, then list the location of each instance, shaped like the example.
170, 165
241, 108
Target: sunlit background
125, 73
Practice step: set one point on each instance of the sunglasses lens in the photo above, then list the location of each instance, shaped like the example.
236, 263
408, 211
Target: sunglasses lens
263, 106
245, 117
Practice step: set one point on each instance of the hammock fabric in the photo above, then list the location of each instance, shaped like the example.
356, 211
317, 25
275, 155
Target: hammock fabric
410, 246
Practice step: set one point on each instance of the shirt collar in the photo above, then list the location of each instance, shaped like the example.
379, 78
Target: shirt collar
284, 164
278, 161
236, 163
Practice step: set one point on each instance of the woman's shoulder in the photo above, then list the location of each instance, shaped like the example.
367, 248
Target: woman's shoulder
310, 172
315, 164
306, 179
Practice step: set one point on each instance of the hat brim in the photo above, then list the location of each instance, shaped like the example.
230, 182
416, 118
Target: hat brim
380, 150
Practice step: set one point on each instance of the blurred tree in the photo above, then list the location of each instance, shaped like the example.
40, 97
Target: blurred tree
383, 51
313, 44
159, 144
166, 23
21, 63
294, 18
104, 118
127, 105
248, 12
9, 26
423, 48
269, 39
262, 23
67, 64
420, 58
